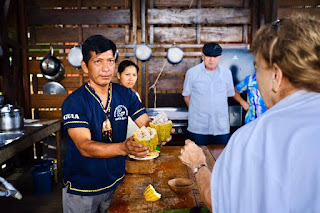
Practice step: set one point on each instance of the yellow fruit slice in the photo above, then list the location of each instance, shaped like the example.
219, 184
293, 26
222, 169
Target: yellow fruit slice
150, 194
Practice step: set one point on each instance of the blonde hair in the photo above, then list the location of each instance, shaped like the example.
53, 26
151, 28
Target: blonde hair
293, 43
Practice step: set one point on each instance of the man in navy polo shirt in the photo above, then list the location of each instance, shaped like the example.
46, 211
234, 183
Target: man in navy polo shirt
95, 118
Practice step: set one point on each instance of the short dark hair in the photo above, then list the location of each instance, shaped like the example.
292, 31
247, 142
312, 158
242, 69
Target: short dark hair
98, 44
126, 63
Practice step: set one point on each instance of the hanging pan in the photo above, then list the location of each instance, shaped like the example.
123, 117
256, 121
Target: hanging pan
53, 88
143, 52
175, 55
75, 56
50, 65
58, 77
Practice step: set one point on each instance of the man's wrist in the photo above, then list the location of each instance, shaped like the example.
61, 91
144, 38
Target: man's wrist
196, 170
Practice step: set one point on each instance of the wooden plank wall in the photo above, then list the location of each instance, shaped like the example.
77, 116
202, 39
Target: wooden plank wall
288, 7
65, 24
230, 23
189, 26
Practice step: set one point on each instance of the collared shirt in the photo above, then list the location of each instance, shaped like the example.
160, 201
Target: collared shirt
83, 108
272, 164
256, 103
209, 92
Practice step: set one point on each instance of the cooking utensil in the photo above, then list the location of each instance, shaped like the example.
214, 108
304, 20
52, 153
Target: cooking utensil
143, 52
53, 88
58, 77
11, 117
50, 65
175, 55
75, 56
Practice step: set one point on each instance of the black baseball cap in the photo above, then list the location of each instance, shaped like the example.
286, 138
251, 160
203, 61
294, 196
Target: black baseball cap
212, 49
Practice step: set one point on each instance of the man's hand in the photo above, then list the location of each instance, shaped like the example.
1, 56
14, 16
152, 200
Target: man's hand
192, 155
133, 148
169, 138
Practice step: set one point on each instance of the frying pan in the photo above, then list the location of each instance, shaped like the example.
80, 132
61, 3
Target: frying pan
75, 56
143, 52
50, 65
53, 88
174, 55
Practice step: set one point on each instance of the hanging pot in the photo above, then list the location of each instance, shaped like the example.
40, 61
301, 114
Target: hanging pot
11, 117
58, 77
53, 88
75, 56
174, 55
143, 52
50, 65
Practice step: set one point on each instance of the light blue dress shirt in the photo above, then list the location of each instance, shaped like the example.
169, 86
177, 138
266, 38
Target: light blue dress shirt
209, 92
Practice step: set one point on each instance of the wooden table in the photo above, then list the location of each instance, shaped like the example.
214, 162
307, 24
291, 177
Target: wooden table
34, 132
129, 194
216, 150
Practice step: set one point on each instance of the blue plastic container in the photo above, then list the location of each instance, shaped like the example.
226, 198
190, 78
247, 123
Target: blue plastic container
42, 178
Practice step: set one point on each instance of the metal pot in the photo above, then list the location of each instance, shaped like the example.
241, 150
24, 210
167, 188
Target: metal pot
53, 88
75, 56
11, 117
50, 65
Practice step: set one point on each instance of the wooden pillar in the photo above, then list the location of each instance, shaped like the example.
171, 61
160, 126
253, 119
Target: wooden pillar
24, 58
198, 30
270, 10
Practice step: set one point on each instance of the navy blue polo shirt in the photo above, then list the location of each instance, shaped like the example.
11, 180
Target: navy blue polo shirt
83, 108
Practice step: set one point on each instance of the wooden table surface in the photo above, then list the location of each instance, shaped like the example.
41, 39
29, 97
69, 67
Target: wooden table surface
129, 194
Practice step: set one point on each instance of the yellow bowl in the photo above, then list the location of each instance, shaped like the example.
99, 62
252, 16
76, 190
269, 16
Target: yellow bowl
181, 185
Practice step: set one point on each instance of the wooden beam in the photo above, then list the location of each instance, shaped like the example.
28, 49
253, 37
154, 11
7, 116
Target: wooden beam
207, 34
286, 3
289, 11
53, 114
204, 3
78, 16
74, 3
47, 101
155, 65
199, 16
34, 67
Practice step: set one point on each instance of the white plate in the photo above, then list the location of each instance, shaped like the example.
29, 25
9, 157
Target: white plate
150, 156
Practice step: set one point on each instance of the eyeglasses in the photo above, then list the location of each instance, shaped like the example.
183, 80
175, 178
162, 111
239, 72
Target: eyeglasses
276, 24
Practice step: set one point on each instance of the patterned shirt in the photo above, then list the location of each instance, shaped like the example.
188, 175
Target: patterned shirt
256, 104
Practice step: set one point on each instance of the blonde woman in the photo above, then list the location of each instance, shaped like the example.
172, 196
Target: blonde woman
272, 164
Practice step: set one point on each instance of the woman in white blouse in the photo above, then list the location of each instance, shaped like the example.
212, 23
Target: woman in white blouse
128, 76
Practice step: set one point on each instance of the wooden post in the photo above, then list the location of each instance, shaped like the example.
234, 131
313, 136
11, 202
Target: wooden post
245, 26
198, 31
24, 58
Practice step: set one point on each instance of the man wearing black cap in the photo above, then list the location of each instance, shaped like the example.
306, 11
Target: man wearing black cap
206, 89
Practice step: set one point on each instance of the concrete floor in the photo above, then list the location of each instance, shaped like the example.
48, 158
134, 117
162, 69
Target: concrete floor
23, 182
